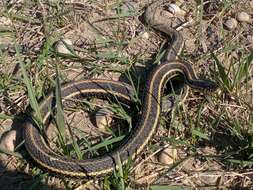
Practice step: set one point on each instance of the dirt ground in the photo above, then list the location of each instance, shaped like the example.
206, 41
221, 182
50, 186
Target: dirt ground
211, 132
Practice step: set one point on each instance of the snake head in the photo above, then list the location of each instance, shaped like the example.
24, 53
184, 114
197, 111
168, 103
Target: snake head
203, 84
209, 85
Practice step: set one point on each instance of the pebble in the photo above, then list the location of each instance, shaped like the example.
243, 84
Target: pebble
167, 104
145, 35
62, 48
8, 140
231, 23
103, 119
168, 156
190, 44
250, 38
6, 41
243, 17
251, 4
4, 21
176, 10
209, 178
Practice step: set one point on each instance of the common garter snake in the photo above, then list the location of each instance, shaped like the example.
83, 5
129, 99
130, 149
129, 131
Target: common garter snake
146, 124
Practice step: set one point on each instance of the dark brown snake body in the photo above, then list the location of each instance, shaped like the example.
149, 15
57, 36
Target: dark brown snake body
146, 124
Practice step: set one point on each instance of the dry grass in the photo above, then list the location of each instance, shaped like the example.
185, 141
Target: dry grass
211, 131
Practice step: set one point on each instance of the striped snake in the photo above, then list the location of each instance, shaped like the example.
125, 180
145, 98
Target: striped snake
147, 122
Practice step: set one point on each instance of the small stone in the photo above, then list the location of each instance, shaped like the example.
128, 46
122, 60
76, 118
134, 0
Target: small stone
175, 9
250, 38
6, 41
145, 35
168, 156
63, 46
8, 140
243, 17
103, 119
167, 105
209, 178
5, 21
190, 44
231, 23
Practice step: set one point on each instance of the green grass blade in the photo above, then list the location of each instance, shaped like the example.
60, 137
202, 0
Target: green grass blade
200, 134
59, 109
244, 163
60, 119
31, 94
243, 70
106, 143
4, 116
222, 73
120, 172
75, 145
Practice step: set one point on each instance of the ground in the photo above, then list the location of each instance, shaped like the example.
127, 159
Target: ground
211, 132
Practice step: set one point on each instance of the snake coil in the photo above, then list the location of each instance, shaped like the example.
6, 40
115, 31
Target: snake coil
146, 124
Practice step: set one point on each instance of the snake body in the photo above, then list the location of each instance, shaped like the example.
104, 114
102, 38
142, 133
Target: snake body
145, 127
155, 17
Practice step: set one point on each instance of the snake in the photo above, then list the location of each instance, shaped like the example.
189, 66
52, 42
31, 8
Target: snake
147, 121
